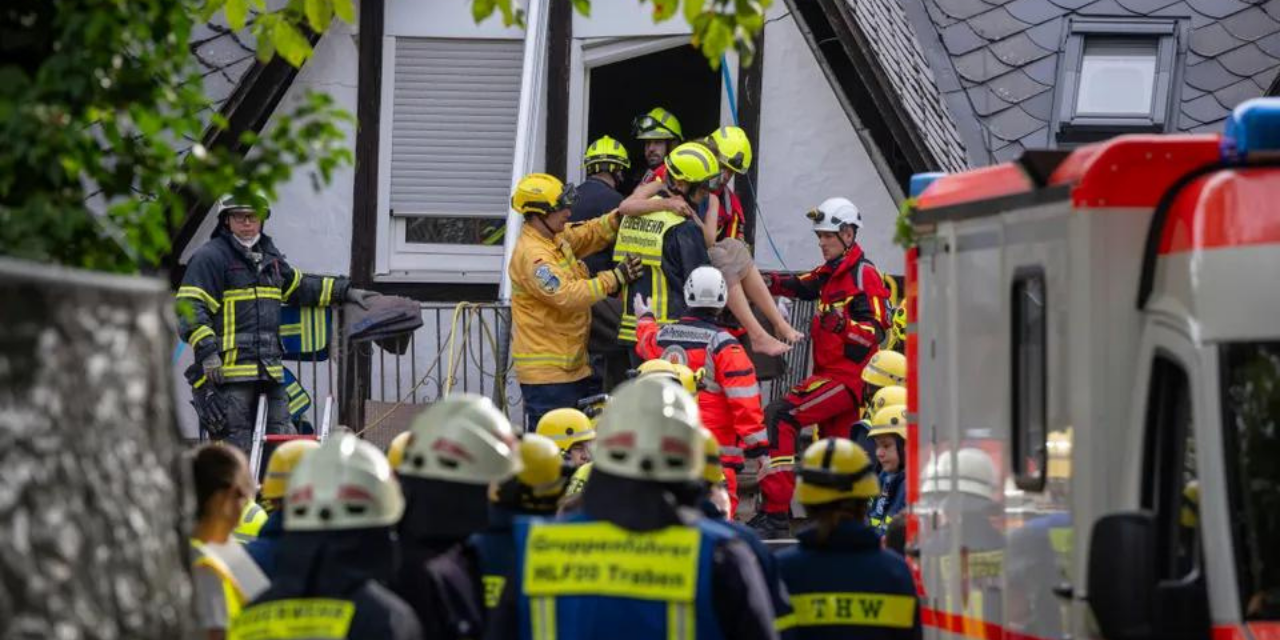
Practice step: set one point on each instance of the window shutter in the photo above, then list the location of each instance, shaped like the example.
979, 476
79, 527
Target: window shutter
453, 124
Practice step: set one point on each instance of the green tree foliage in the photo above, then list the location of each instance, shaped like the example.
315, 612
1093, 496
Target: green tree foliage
96, 100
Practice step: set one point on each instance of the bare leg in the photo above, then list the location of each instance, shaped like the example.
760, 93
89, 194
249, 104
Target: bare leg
761, 341
756, 291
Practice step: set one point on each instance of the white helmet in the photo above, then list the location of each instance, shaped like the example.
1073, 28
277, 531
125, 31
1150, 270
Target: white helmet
650, 431
975, 474
705, 289
344, 484
834, 213
462, 438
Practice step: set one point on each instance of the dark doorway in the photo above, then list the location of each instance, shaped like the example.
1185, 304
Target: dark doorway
677, 79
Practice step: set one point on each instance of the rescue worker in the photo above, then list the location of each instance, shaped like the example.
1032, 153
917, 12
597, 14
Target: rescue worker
571, 430
279, 467
471, 578
643, 566
224, 578
659, 130
460, 445
843, 584
552, 294
730, 399
235, 285
337, 551
850, 320
889, 432
669, 245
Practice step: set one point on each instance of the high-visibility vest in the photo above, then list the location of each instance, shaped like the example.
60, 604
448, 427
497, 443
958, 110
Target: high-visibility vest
296, 619
232, 592
643, 237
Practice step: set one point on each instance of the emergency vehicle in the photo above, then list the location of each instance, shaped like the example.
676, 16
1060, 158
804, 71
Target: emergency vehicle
1094, 349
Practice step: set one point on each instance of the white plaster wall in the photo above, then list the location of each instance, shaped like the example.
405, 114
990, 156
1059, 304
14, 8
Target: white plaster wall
808, 151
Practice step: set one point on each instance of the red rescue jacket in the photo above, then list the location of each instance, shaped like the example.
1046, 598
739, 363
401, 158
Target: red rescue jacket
851, 287
730, 399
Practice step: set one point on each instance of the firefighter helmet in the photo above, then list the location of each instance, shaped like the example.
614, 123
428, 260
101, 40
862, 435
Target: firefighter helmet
542, 194
834, 469
705, 288
886, 396
566, 427
886, 369
537, 487
975, 473
900, 323
282, 463
713, 473
345, 484
891, 420
663, 368
650, 432
733, 148
657, 124
461, 438
693, 163
606, 154
255, 202
251, 520
833, 214
395, 450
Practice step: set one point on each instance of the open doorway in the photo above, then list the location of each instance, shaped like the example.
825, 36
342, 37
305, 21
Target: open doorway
677, 79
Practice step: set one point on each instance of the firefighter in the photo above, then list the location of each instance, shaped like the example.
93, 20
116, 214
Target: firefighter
472, 577
224, 578
850, 320
730, 400
633, 563
458, 446
659, 130
234, 286
889, 432
669, 244
279, 467
337, 552
571, 430
552, 294
842, 583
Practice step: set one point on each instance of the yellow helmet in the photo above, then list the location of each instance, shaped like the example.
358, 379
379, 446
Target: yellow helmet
579, 480
605, 154
658, 124
565, 428
395, 451
541, 481
890, 420
1189, 514
733, 148
713, 473
541, 193
888, 396
886, 368
688, 378
251, 521
834, 469
900, 322
282, 462
693, 163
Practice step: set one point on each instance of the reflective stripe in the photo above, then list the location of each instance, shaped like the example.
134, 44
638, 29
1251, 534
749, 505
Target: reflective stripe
493, 587
854, 609
326, 292
543, 613
293, 285
711, 385
783, 623
731, 452
752, 391
550, 358
196, 293
756, 438
310, 618
680, 624
199, 334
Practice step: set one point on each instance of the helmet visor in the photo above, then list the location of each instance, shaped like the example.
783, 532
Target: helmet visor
568, 196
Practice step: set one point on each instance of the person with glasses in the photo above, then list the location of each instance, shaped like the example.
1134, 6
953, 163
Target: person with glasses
552, 294
659, 130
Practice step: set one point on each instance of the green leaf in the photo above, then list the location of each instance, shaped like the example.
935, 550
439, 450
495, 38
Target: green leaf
583, 7
237, 12
346, 10
692, 9
209, 8
664, 9
482, 9
717, 40
291, 44
319, 14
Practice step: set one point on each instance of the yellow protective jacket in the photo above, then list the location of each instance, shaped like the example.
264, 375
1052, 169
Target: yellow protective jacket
551, 297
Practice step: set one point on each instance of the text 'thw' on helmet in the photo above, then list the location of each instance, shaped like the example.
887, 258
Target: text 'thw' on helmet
606, 154
886, 369
542, 194
566, 427
651, 432
462, 438
693, 163
705, 288
833, 214
835, 469
733, 148
345, 484
657, 124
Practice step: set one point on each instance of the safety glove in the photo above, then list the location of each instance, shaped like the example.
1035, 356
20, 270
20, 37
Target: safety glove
641, 306
212, 366
629, 270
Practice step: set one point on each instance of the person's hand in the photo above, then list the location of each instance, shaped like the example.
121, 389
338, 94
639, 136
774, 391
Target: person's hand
832, 321
213, 369
641, 306
629, 270
678, 206
361, 297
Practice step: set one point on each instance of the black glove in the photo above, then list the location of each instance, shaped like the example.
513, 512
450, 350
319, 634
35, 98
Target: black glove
629, 270
211, 409
213, 369
361, 297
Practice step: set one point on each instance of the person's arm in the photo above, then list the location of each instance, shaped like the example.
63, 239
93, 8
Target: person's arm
736, 376
710, 221
689, 251
863, 319
210, 604
201, 291
642, 202
311, 291
739, 594
586, 238
538, 275
805, 286
646, 332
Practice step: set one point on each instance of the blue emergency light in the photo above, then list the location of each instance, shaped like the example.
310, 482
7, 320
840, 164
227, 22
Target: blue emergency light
921, 181
1252, 130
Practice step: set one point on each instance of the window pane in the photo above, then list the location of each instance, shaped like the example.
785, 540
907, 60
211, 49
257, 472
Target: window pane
1171, 486
1251, 419
1029, 376
455, 230
1117, 77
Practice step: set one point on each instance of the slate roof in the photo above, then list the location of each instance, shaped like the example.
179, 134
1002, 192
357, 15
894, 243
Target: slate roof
996, 61
898, 51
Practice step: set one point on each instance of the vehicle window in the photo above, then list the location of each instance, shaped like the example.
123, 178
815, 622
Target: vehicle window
1251, 420
1170, 486
1029, 378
